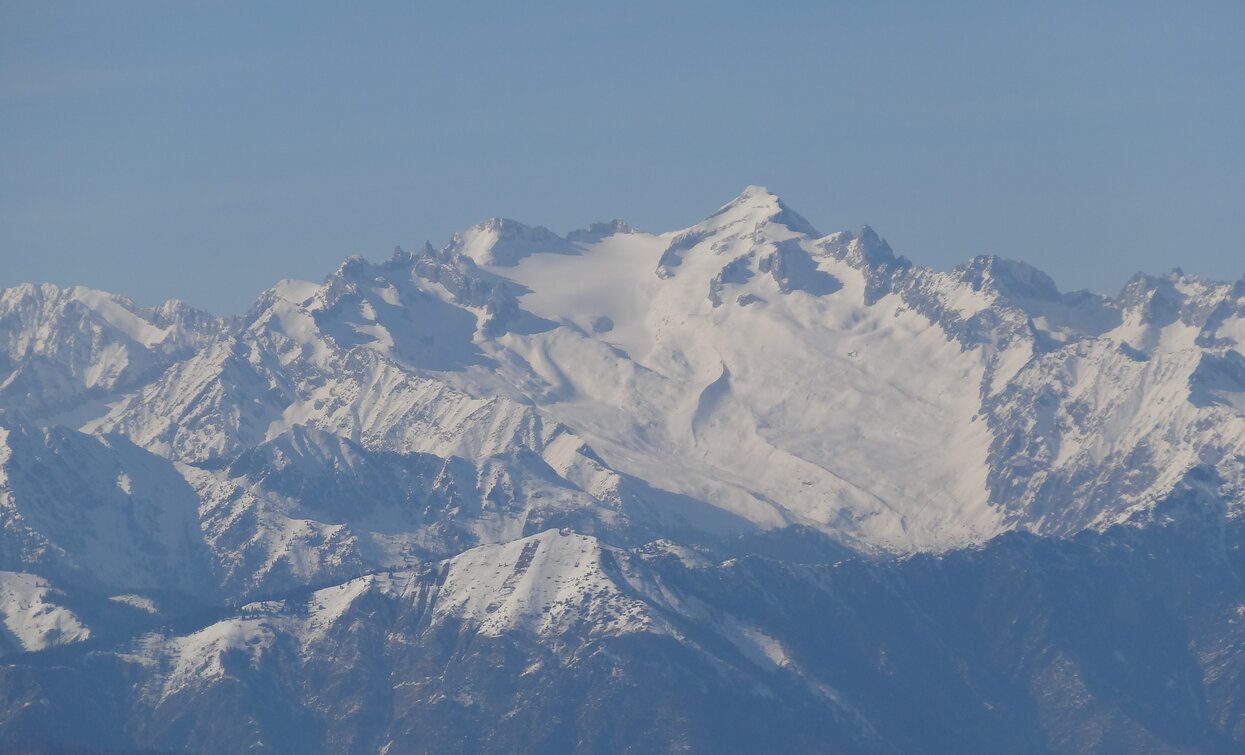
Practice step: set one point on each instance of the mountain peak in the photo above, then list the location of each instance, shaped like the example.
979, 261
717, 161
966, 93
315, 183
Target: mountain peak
599, 231
753, 196
745, 216
1011, 278
758, 204
758, 192
503, 242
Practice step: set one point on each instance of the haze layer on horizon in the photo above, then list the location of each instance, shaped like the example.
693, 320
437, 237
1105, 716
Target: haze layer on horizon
205, 150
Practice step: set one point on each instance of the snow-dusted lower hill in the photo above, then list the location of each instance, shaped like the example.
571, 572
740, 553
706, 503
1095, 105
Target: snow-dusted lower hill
571, 452
34, 618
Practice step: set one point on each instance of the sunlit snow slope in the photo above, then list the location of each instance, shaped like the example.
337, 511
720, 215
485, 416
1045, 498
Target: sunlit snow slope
787, 377
746, 372
618, 490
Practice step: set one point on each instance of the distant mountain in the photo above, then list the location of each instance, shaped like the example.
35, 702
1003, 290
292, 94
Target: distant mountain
736, 487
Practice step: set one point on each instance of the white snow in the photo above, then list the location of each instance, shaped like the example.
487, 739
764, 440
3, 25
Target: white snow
540, 584
296, 291
114, 310
750, 372
1234, 329
803, 408
33, 615
198, 658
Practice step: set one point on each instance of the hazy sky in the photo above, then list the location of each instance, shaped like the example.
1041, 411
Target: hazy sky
204, 150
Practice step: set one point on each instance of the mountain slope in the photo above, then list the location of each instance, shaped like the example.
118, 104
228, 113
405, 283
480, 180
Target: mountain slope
663, 353
59, 347
1125, 640
735, 487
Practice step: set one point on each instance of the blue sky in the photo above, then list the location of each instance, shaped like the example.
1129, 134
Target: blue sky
204, 150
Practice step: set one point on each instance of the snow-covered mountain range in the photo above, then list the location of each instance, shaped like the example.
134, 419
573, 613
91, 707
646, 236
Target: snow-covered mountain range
463, 484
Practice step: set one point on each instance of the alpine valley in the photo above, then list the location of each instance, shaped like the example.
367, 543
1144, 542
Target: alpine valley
741, 487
